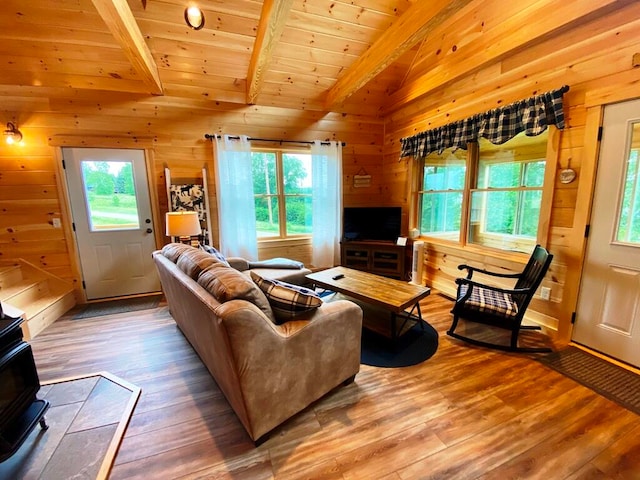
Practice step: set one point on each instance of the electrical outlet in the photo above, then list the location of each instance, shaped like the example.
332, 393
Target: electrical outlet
545, 293
56, 222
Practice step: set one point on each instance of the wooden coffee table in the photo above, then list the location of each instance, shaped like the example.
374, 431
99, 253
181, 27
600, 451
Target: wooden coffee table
392, 295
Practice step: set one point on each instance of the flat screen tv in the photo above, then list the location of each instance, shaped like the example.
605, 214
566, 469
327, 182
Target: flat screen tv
371, 223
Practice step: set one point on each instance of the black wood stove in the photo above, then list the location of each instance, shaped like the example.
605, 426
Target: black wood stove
20, 410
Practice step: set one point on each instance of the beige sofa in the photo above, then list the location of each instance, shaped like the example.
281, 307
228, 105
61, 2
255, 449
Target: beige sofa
268, 372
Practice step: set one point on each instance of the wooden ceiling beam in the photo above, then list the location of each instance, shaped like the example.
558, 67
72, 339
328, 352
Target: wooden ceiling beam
513, 35
122, 24
407, 31
272, 22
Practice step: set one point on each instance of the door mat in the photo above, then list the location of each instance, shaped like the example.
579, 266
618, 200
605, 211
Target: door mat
111, 307
87, 420
609, 380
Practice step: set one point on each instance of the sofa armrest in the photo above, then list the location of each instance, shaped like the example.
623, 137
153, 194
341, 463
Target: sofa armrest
284, 368
238, 263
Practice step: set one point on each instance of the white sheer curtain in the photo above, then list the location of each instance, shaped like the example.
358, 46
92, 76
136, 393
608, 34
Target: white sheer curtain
234, 192
327, 203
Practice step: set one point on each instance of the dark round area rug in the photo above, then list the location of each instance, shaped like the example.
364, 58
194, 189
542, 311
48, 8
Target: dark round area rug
414, 347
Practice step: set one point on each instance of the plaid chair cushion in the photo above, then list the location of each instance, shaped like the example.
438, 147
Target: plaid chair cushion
489, 301
286, 300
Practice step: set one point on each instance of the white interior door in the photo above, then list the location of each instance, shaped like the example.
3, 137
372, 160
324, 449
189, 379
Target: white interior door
111, 210
608, 314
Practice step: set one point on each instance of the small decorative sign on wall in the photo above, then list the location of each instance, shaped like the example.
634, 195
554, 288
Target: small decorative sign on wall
361, 179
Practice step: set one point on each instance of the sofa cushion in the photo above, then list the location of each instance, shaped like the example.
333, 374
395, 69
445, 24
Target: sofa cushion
280, 263
287, 300
173, 250
215, 252
194, 261
226, 283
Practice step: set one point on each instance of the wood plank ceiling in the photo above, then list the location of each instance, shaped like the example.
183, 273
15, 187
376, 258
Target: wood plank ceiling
326, 55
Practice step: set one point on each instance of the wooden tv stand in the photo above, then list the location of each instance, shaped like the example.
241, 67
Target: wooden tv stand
382, 258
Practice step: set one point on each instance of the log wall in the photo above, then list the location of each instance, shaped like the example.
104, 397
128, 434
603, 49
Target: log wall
32, 190
596, 61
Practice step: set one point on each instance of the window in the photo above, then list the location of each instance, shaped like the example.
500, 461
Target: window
498, 206
442, 194
628, 228
282, 189
110, 195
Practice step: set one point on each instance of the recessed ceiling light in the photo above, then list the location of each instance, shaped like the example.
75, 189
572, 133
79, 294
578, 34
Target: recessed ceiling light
194, 17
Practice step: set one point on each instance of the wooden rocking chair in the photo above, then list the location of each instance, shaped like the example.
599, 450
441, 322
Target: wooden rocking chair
500, 307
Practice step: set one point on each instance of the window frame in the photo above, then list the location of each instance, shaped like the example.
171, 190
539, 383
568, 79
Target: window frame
472, 164
281, 196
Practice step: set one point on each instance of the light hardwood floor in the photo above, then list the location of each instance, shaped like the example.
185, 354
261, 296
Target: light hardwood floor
466, 413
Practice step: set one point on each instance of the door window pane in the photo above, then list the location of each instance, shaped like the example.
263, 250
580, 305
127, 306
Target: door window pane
110, 195
628, 230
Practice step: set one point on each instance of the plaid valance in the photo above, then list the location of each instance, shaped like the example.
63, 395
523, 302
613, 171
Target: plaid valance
532, 116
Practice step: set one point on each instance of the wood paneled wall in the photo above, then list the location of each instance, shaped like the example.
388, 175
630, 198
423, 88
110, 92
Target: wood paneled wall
173, 129
595, 60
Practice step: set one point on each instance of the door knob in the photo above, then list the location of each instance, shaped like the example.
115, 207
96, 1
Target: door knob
149, 230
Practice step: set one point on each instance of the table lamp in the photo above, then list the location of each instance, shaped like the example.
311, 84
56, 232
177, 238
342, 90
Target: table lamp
183, 225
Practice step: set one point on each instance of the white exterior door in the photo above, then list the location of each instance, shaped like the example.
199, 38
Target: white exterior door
608, 314
111, 210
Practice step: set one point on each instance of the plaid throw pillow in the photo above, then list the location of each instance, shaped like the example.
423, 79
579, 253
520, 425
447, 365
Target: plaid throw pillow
485, 300
286, 300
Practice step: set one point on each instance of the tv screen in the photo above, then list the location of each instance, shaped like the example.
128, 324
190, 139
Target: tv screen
371, 223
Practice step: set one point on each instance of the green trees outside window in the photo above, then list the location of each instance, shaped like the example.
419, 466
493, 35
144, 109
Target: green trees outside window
111, 196
628, 230
498, 206
282, 189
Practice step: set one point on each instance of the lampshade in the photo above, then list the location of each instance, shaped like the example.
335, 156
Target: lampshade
183, 224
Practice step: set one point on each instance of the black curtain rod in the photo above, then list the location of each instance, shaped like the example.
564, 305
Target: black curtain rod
209, 136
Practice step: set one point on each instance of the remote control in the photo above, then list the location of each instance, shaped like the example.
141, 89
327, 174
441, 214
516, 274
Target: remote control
338, 277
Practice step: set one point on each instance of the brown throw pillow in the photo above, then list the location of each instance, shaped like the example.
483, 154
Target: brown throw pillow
173, 250
226, 283
194, 261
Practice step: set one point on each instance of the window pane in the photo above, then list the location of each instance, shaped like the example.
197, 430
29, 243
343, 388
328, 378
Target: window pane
534, 174
529, 213
499, 211
505, 208
267, 221
518, 162
298, 215
445, 171
498, 175
442, 192
441, 214
506, 220
297, 173
111, 196
629, 218
282, 187
264, 173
